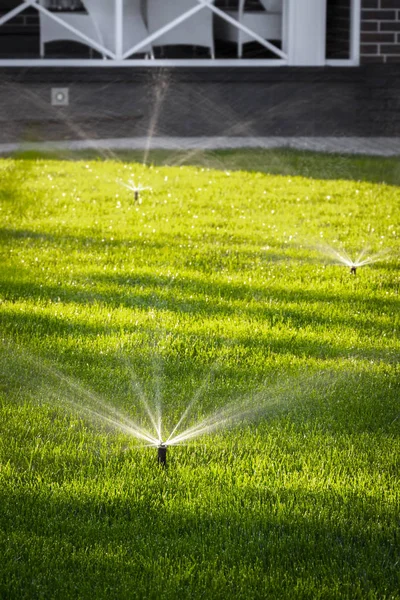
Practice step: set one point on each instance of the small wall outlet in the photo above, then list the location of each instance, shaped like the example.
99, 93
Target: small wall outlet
60, 96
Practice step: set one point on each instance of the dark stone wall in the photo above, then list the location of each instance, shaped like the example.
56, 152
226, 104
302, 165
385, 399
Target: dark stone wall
360, 101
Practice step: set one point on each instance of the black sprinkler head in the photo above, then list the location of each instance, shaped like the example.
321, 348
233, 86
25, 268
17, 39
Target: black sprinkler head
353, 270
162, 455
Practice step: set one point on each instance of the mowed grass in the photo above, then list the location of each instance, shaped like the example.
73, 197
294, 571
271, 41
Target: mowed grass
213, 287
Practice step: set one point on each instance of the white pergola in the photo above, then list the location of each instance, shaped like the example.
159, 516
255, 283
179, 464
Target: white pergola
303, 38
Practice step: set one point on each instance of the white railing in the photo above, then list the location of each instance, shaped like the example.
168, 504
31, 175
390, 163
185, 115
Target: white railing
301, 24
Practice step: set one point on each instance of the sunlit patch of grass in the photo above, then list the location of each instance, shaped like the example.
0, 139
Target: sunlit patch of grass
213, 282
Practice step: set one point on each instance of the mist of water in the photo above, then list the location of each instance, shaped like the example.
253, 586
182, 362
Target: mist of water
362, 258
160, 94
80, 133
212, 111
50, 385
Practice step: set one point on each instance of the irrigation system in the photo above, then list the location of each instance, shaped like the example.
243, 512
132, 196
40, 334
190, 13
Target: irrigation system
162, 455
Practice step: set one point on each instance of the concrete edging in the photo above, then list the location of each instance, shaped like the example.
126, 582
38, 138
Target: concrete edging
373, 146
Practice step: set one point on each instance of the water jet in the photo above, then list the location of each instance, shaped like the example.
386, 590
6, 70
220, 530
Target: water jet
362, 259
136, 189
55, 387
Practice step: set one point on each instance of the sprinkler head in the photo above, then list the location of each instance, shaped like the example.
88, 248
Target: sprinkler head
136, 195
353, 270
162, 455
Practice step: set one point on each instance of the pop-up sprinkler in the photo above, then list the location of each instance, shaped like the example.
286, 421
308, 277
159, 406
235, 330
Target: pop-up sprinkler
162, 455
363, 258
136, 189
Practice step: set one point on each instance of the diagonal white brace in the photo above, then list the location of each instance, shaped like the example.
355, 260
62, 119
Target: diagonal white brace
210, 5
59, 20
119, 55
166, 28
73, 29
15, 11
245, 29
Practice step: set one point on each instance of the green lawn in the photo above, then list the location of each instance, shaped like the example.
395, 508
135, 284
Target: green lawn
216, 289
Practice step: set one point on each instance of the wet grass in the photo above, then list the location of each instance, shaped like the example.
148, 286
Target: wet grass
277, 161
215, 281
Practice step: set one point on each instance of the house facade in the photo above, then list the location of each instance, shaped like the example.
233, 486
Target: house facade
209, 67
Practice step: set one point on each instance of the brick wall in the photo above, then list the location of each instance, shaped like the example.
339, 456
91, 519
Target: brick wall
380, 31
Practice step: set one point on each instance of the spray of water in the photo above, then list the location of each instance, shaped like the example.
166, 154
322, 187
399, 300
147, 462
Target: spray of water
44, 382
212, 111
79, 132
50, 385
160, 94
364, 257
244, 409
135, 188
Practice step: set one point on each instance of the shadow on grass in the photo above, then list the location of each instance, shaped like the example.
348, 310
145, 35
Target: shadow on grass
275, 375
146, 540
275, 307
238, 254
316, 165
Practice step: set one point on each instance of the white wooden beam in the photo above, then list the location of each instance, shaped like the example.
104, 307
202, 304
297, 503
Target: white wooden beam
306, 41
163, 30
355, 31
142, 63
119, 29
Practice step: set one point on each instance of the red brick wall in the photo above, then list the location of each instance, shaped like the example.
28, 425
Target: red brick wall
380, 31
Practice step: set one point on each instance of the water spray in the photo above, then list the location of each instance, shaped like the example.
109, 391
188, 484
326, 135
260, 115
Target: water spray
162, 454
361, 260
136, 189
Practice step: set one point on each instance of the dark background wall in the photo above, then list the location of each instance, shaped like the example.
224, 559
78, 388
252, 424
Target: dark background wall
104, 103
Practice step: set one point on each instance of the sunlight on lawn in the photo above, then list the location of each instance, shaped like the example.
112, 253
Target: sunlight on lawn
198, 305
